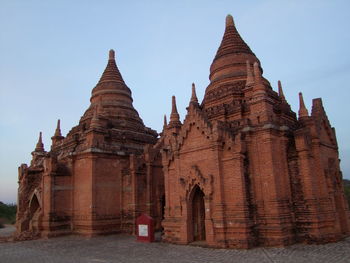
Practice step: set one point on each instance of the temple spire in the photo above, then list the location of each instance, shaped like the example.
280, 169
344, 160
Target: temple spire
165, 121
111, 54
229, 21
194, 98
57, 136
250, 77
174, 116
232, 42
229, 64
303, 112
280, 91
40, 146
58, 129
111, 73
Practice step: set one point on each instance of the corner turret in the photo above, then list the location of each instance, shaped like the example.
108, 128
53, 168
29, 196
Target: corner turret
57, 136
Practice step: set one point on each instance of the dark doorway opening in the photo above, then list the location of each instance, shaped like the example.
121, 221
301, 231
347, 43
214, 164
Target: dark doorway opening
198, 215
34, 214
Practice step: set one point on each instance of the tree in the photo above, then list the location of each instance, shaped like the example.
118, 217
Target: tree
7, 214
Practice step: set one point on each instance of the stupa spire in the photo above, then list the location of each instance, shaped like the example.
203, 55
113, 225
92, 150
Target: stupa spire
280, 91
57, 136
40, 146
113, 94
111, 54
229, 64
303, 112
165, 121
229, 20
58, 129
111, 73
174, 116
194, 98
258, 79
232, 42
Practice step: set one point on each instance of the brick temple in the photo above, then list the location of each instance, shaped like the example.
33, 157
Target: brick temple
241, 170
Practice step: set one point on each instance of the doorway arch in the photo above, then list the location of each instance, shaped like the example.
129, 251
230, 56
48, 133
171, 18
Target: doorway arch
34, 212
198, 214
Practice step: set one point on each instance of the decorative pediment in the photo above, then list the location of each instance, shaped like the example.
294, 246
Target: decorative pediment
195, 177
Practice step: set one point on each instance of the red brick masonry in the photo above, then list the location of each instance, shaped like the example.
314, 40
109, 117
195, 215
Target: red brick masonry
242, 170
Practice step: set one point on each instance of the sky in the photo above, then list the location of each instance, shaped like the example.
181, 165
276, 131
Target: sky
52, 54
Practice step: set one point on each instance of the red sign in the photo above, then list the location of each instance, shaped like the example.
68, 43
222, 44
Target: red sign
145, 228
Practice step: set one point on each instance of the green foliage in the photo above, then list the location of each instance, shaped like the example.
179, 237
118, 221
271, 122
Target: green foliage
346, 182
7, 213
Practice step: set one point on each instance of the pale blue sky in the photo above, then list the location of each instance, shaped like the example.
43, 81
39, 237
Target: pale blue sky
52, 54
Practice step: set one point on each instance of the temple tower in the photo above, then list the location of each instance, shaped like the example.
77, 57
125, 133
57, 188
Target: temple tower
245, 153
94, 179
240, 170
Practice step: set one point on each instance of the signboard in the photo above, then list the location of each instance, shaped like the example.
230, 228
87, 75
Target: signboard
143, 230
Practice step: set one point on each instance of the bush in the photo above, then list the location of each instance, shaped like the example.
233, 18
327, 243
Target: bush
347, 193
7, 213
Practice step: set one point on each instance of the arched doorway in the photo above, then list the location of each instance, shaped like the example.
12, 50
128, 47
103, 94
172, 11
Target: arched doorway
198, 215
34, 210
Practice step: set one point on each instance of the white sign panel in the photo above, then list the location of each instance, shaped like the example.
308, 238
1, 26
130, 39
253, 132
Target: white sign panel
143, 230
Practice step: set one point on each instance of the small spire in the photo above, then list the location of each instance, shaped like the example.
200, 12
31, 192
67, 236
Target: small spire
111, 54
250, 77
174, 116
40, 146
58, 129
165, 121
173, 105
229, 21
259, 85
280, 91
194, 95
57, 136
303, 112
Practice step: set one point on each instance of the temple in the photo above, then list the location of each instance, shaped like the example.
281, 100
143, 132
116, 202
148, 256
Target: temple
241, 170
